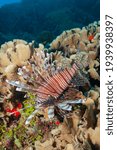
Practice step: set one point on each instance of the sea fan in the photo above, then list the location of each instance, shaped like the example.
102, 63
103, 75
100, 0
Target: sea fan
48, 82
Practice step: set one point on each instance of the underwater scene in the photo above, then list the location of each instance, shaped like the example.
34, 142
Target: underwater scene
49, 75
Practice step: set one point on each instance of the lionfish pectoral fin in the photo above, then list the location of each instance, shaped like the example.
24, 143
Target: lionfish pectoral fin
77, 101
30, 117
64, 106
51, 112
19, 86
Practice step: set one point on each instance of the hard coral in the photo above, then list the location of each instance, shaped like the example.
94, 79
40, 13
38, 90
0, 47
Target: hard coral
14, 53
75, 41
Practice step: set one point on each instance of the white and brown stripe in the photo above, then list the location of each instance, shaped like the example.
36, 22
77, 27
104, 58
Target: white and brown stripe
55, 85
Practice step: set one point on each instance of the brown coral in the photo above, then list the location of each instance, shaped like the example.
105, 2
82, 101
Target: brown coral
85, 40
15, 52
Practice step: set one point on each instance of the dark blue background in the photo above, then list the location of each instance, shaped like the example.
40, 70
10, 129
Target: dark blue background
43, 20
3, 2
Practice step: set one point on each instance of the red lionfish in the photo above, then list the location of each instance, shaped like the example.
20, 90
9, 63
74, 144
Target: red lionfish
49, 89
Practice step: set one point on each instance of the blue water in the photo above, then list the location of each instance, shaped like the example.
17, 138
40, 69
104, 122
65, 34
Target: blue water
3, 2
43, 20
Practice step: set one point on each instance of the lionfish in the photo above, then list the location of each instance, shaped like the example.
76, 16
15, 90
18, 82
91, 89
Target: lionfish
48, 83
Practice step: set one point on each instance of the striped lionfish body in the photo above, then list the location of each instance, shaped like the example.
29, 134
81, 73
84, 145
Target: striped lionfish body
55, 85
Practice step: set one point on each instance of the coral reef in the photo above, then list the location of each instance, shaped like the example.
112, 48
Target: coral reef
50, 97
14, 54
85, 41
